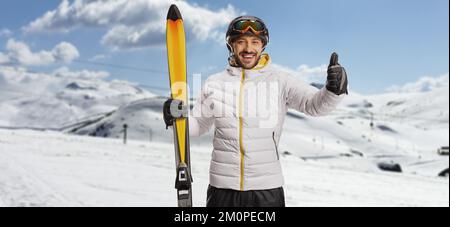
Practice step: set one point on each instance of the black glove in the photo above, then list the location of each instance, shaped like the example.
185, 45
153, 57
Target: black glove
337, 77
174, 109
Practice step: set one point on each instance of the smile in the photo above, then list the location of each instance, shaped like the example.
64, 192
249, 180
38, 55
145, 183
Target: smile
248, 56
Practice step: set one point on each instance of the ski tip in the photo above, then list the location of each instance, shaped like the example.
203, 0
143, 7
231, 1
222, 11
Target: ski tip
174, 13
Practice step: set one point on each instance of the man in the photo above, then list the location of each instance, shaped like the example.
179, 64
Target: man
245, 169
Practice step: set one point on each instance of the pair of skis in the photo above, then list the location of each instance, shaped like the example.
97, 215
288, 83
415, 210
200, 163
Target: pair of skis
176, 56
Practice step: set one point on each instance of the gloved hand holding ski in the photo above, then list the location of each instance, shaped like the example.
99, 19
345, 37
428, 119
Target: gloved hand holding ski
337, 77
174, 109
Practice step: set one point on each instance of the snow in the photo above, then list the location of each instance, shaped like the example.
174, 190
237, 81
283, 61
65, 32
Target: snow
36, 171
62, 97
336, 139
315, 184
327, 161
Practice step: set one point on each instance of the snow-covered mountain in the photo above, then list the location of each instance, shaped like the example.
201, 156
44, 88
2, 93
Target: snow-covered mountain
38, 100
142, 117
397, 129
365, 131
144, 122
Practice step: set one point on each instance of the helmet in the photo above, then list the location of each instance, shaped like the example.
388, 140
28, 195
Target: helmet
246, 25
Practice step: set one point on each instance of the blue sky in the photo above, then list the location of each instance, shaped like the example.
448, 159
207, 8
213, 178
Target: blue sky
381, 43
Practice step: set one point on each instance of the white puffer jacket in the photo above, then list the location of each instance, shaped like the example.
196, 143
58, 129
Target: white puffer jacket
248, 108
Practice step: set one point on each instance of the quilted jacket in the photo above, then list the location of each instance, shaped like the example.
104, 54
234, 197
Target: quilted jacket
247, 109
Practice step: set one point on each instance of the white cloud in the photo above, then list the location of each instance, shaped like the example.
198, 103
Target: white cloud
65, 52
5, 32
3, 58
22, 80
313, 73
19, 53
65, 72
424, 84
99, 57
133, 24
307, 73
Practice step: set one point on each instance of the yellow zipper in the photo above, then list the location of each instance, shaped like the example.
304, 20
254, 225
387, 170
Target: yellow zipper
241, 125
261, 64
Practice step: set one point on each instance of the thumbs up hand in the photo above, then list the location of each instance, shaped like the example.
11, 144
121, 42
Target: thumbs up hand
337, 77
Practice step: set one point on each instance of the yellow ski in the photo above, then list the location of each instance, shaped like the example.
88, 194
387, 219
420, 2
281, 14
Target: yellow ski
176, 56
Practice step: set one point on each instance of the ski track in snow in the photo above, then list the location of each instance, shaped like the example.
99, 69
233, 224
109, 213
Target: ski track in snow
21, 187
54, 169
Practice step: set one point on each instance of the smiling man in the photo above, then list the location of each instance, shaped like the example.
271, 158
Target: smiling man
248, 49
247, 103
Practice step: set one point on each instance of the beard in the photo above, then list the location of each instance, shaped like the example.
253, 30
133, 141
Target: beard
240, 60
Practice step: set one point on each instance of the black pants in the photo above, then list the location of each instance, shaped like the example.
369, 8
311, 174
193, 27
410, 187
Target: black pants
231, 198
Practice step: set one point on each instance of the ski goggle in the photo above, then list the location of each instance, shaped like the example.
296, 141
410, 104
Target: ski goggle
243, 26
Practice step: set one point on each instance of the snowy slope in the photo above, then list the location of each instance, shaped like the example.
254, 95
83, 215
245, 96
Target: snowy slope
408, 134
406, 130
38, 100
90, 171
144, 120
